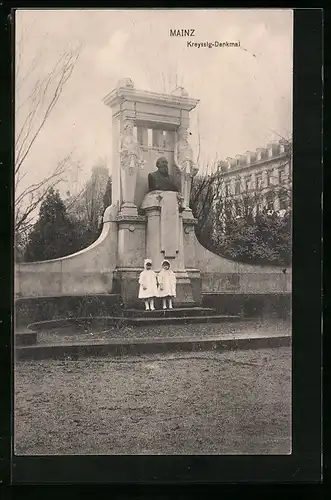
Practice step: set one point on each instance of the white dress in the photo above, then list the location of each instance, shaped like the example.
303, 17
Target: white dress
147, 279
167, 280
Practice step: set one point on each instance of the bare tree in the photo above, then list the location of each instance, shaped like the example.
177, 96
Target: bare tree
88, 205
31, 114
223, 214
28, 201
204, 193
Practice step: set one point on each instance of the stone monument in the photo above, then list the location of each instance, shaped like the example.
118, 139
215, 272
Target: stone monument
152, 173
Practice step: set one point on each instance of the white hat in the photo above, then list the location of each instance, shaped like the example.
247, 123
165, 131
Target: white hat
147, 261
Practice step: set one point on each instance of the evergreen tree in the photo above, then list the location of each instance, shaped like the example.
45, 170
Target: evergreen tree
52, 236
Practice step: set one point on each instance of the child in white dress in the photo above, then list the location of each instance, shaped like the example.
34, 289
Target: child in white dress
148, 285
167, 284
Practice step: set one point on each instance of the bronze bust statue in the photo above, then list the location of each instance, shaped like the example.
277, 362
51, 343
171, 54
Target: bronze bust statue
161, 180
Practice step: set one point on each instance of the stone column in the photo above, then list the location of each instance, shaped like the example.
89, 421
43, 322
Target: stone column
130, 162
183, 157
130, 257
131, 241
189, 242
164, 236
180, 265
116, 172
153, 236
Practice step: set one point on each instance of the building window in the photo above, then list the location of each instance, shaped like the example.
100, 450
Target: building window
227, 189
268, 177
237, 187
282, 176
258, 181
247, 182
237, 208
270, 152
270, 201
282, 148
283, 201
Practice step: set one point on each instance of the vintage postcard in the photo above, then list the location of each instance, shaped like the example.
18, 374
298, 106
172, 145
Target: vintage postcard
153, 232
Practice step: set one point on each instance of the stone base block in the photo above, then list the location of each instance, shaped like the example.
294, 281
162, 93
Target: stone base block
189, 289
128, 210
125, 283
34, 309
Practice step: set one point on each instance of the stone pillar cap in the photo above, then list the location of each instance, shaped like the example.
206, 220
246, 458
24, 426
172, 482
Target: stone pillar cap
153, 198
125, 82
272, 144
179, 92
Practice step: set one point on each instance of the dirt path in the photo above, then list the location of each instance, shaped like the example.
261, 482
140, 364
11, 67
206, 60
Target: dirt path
163, 331
225, 403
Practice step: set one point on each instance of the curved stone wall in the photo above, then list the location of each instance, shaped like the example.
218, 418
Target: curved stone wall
88, 271
222, 275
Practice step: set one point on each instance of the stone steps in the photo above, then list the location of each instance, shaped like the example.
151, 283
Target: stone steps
175, 312
136, 317
172, 320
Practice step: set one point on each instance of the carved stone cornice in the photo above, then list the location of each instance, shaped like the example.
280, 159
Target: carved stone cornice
130, 218
131, 94
188, 220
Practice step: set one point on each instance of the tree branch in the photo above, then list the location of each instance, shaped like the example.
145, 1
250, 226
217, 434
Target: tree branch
64, 66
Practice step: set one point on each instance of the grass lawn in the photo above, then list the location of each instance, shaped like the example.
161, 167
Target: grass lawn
235, 402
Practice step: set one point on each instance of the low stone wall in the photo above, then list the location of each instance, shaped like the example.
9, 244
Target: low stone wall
226, 276
251, 305
33, 309
246, 282
91, 271
88, 271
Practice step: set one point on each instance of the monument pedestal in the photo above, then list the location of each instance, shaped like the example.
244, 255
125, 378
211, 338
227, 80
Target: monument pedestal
188, 289
165, 240
125, 283
130, 256
162, 232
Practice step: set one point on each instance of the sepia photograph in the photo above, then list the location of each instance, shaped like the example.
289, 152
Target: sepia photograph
153, 232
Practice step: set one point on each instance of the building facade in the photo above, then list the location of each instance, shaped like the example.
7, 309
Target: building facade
264, 176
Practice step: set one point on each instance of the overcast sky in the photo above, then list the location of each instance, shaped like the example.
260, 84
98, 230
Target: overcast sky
245, 93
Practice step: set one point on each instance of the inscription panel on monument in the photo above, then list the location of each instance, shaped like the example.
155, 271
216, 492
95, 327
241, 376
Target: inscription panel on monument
160, 114
170, 224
